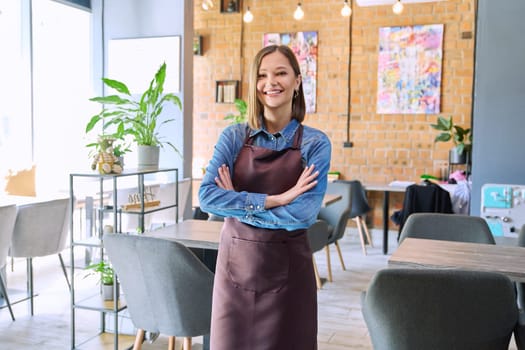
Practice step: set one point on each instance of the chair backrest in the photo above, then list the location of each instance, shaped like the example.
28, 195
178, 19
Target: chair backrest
167, 289
166, 194
7, 225
447, 227
412, 309
41, 228
425, 198
318, 235
520, 287
338, 213
359, 200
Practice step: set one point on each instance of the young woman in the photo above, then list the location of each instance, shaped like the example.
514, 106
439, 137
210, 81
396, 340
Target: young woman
267, 178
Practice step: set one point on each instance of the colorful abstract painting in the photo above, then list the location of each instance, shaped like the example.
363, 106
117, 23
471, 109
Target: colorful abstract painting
304, 45
409, 69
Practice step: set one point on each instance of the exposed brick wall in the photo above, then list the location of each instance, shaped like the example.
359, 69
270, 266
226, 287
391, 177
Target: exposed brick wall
386, 146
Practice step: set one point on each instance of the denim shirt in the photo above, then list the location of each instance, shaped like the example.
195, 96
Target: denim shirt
248, 207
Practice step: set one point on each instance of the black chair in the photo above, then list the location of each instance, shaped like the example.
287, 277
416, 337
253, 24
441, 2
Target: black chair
318, 239
336, 215
359, 209
447, 227
431, 309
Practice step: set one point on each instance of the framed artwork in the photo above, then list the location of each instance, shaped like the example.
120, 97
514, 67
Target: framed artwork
304, 45
135, 61
409, 69
197, 45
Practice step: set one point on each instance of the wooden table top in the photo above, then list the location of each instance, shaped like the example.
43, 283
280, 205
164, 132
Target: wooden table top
428, 253
330, 198
192, 233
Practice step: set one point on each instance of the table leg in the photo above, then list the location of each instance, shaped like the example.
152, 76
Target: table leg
385, 221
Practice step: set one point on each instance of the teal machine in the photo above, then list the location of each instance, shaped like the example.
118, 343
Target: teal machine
503, 207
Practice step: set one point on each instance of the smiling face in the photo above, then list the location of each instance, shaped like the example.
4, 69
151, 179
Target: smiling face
276, 84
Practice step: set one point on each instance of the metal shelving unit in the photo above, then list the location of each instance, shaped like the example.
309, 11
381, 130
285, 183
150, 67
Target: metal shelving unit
94, 302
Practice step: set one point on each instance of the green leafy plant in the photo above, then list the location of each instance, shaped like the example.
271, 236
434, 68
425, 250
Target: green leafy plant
120, 147
136, 118
460, 137
242, 109
104, 269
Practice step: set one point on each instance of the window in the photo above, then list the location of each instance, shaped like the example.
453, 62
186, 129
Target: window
45, 89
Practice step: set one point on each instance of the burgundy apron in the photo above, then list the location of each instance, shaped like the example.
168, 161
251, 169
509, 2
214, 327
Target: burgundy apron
264, 295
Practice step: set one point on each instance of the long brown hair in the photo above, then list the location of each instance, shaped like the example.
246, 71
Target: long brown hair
255, 107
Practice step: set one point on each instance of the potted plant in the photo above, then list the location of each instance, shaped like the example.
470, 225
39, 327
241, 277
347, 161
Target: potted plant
460, 137
242, 109
138, 119
106, 277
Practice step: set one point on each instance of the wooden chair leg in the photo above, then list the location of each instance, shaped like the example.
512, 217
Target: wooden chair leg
187, 343
316, 272
139, 338
171, 342
360, 233
328, 263
368, 237
340, 255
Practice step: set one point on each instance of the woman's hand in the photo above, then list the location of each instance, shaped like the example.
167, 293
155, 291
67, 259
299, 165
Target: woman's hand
306, 182
224, 179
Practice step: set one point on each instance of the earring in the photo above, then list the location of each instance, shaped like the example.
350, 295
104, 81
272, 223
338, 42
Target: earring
295, 94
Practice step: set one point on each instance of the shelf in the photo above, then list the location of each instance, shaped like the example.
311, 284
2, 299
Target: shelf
112, 197
226, 91
230, 6
95, 302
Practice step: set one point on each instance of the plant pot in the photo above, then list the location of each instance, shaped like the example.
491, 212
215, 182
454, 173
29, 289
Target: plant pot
148, 156
107, 291
455, 158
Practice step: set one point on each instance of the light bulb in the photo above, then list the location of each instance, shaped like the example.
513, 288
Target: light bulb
299, 13
346, 11
398, 7
248, 16
207, 4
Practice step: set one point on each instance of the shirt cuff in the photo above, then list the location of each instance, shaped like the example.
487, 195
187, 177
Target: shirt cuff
255, 203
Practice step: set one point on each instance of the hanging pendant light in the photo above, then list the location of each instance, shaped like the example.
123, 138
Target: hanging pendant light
299, 13
346, 11
397, 7
207, 4
248, 16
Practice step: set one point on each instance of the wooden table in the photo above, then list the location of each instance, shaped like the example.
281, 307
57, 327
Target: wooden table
330, 198
192, 233
428, 253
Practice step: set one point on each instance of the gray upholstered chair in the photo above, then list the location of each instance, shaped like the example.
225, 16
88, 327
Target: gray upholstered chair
7, 224
167, 289
318, 239
447, 227
336, 215
414, 309
358, 212
41, 229
520, 287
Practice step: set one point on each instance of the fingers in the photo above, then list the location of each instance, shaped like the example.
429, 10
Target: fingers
308, 175
224, 179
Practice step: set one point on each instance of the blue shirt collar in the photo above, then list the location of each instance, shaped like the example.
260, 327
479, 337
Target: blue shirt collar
287, 133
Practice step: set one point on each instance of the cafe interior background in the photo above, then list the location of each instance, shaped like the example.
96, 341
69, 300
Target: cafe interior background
45, 104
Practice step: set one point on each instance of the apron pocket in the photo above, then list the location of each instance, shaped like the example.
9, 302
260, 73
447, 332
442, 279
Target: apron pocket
256, 266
